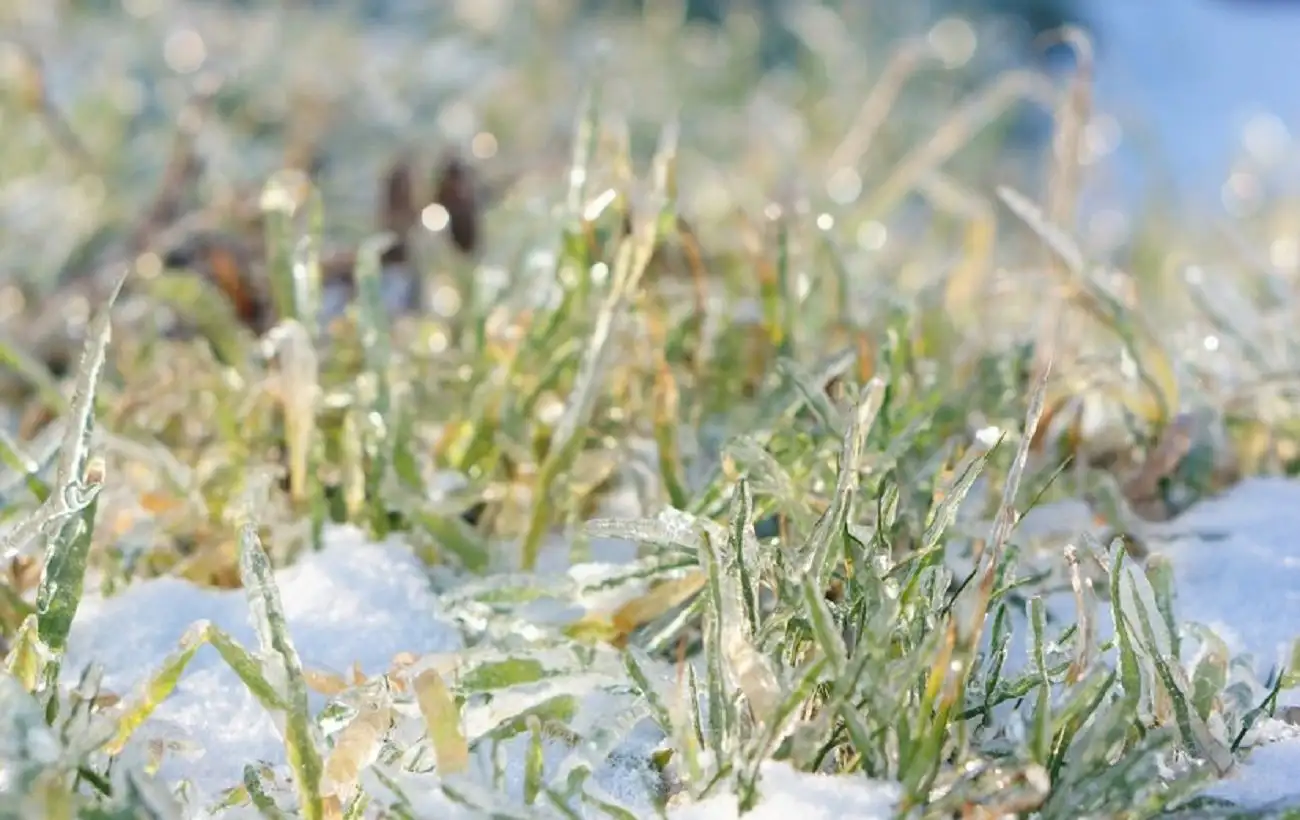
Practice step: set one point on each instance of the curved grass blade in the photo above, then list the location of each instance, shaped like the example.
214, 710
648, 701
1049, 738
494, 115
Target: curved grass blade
284, 671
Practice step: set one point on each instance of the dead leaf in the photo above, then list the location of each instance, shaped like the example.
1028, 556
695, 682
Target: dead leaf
442, 720
615, 628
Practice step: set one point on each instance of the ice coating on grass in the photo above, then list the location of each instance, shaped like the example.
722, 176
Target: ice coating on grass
354, 602
1236, 567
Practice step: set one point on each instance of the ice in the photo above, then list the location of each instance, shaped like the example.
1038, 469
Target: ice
1236, 565
353, 602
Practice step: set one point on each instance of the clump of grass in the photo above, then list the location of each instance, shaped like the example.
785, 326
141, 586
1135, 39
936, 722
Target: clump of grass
820, 460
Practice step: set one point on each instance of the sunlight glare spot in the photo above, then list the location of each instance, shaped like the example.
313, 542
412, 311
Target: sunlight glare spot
1266, 139
1284, 253
872, 236
484, 145
953, 40
844, 186
184, 51
446, 301
434, 217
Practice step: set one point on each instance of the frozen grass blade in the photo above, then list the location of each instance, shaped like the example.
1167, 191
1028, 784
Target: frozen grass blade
158, 687
824, 633
941, 517
1040, 725
534, 762
298, 371
722, 713
817, 561
1085, 606
282, 197
283, 669
307, 286
747, 668
1130, 673
69, 513
249, 669
633, 256
71, 492
633, 661
1210, 675
743, 544
63, 577
373, 387
1138, 605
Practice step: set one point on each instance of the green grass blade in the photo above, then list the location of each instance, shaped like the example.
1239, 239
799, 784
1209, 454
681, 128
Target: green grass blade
301, 743
817, 561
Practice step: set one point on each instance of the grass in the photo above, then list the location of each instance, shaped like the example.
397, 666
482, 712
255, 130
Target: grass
833, 389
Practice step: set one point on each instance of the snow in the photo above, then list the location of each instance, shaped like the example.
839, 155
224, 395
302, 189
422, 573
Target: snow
1236, 564
789, 793
353, 602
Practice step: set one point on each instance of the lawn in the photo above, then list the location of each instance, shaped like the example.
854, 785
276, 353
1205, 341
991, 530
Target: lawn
497, 412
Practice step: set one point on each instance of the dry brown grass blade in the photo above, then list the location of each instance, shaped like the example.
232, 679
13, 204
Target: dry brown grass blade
1071, 119
442, 721
1142, 489
617, 627
903, 63
1155, 366
699, 272
961, 293
1065, 174
977, 112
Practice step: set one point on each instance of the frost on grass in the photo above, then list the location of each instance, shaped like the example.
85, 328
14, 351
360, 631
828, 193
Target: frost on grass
371, 608
796, 633
354, 603
364, 605
1235, 567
